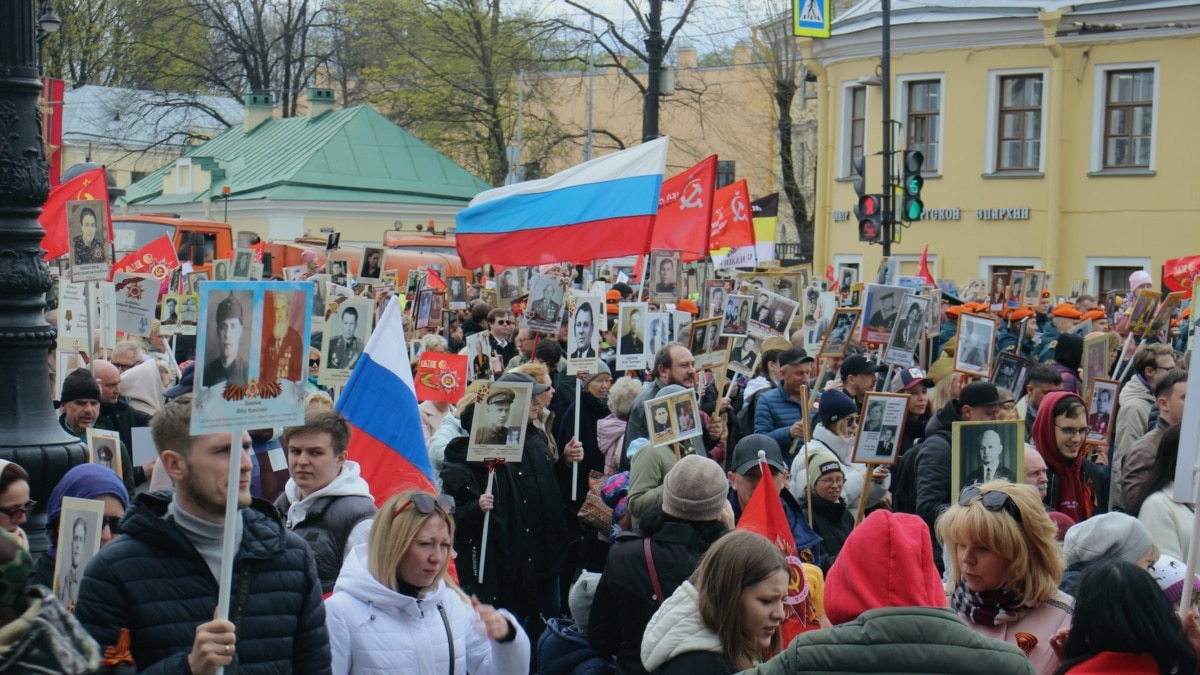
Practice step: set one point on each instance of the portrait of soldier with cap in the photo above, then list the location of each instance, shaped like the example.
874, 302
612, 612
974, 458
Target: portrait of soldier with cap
499, 419
227, 343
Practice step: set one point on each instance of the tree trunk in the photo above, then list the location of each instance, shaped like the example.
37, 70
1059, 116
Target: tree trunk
785, 94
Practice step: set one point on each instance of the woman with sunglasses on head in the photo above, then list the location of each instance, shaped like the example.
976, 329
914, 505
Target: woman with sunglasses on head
84, 481
396, 610
1078, 487
15, 505
1004, 568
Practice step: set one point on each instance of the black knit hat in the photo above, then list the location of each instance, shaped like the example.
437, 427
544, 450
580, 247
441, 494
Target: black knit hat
80, 384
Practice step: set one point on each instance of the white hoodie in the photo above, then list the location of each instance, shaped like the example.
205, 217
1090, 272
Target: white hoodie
823, 438
676, 628
374, 630
348, 482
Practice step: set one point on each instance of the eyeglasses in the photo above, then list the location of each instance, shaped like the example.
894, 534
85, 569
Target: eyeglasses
994, 500
27, 509
503, 322
426, 504
123, 366
113, 523
1071, 431
831, 481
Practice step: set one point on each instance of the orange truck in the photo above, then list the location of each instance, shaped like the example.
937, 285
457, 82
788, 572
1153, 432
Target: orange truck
192, 238
403, 252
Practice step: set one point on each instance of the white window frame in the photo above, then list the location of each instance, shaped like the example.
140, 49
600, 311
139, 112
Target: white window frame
986, 263
1092, 263
916, 258
183, 175
840, 259
1100, 96
991, 161
901, 108
845, 169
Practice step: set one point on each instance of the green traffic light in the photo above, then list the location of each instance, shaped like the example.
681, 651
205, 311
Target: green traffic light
914, 185
913, 210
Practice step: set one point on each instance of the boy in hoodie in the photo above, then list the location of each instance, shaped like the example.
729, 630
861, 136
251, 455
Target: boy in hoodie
885, 600
325, 501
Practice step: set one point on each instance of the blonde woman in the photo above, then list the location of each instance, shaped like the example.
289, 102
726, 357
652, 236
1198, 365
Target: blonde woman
396, 610
1004, 568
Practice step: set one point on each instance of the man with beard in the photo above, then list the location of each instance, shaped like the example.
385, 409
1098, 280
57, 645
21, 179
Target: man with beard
80, 405
229, 367
283, 350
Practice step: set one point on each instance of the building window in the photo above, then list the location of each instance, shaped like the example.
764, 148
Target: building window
1110, 279
1019, 136
135, 176
1128, 118
725, 172
858, 124
924, 133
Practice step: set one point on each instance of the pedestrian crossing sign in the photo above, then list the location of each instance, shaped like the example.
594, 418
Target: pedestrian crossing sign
810, 18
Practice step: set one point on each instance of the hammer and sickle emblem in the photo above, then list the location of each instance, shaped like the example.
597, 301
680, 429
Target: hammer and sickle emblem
739, 209
691, 197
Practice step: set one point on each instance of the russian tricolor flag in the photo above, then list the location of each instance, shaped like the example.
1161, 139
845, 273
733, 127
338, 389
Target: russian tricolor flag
604, 208
380, 403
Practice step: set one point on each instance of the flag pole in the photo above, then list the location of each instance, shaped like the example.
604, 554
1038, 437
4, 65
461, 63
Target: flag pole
228, 545
487, 518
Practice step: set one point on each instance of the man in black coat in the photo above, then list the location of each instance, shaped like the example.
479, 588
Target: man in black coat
156, 585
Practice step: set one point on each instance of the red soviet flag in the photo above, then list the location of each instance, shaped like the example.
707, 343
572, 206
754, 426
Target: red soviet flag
88, 185
685, 209
158, 259
731, 220
441, 377
764, 515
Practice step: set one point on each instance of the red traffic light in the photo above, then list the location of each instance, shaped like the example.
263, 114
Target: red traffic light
868, 205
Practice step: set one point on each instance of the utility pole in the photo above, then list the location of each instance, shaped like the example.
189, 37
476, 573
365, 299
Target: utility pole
654, 56
889, 219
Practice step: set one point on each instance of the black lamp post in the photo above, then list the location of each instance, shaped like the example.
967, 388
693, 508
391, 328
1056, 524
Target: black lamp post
654, 57
48, 24
29, 431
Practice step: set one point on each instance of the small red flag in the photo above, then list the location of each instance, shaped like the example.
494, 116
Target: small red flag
923, 268
639, 268
764, 515
441, 377
731, 221
829, 275
685, 210
88, 185
433, 280
158, 258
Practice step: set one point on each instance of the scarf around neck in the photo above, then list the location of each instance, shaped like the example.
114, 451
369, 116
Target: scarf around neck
989, 608
1072, 496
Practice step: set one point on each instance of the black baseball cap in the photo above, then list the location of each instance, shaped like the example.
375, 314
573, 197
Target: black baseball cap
745, 454
981, 395
857, 364
793, 356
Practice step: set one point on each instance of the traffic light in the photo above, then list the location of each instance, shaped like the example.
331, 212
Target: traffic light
870, 218
911, 186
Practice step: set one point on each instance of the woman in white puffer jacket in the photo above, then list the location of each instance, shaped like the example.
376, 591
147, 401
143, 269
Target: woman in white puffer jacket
395, 610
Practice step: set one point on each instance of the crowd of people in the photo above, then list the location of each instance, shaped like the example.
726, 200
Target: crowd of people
633, 562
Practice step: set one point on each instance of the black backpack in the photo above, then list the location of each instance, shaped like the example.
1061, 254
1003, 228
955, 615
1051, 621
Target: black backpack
904, 480
741, 424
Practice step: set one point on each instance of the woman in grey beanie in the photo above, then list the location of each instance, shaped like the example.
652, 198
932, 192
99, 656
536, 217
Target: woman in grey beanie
1108, 536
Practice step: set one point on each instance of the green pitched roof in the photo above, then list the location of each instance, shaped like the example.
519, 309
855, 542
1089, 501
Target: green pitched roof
354, 154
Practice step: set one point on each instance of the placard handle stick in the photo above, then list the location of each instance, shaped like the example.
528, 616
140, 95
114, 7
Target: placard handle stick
578, 404
1185, 603
887, 382
487, 519
228, 545
866, 490
1120, 365
87, 301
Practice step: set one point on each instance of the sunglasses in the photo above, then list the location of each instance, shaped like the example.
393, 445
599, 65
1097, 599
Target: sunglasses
426, 504
122, 367
113, 523
27, 509
314, 363
992, 501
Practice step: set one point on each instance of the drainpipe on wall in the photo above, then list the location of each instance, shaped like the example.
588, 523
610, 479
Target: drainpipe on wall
823, 213
1055, 94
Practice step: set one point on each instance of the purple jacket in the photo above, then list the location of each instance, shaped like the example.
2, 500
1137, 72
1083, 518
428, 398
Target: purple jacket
1071, 381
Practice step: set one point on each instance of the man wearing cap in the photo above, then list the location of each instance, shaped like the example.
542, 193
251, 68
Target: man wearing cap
673, 364
229, 366
1063, 318
495, 428
930, 462
778, 413
885, 316
859, 375
746, 472
80, 404
1007, 337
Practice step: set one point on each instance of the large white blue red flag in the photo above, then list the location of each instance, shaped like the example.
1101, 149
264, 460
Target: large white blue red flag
604, 208
380, 403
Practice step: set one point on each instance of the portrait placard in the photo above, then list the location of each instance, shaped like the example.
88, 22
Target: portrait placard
880, 429
79, 526
220, 269
424, 307
771, 314
847, 276
673, 418
976, 345
1145, 305
1101, 411
665, 274
74, 332
88, 240
715, 292
881, 306
888, 273
986, 450
819, 308
1011, 372
456, 292
348, 325
295, 272
908, 331
370, 266
498, 430
547, 297
256, 271
510, 284
999, 291
583, 338
136, 299
737, 315
251, 355
976, 290
195, 280
1166, 312
705, 343
168, 323
104, 448
1095, 362
660, 330
1016, 287
631, 327
840, 333
743, 357
1035, 283
242, 259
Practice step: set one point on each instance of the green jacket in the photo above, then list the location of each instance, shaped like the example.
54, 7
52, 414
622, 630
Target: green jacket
899, 640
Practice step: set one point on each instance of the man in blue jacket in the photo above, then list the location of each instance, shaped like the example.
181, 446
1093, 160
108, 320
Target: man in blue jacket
779, 413
156, 585
744, 475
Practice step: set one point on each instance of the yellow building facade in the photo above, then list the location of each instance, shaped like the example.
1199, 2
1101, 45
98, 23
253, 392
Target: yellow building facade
1062, 139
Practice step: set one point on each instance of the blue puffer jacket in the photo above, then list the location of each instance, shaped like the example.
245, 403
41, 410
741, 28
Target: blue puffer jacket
774, 414
563, 651
153, 582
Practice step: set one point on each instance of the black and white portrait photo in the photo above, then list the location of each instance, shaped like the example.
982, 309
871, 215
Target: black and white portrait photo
976, 343
665, 275
840, 333
547, 295
1100, 409
583, 334
88, 239
346, 332
744, 355
881, 308
456, 292
498, 431
908, 331
880, 428
631, 340
79, 526
737, 315
242, 258
1010, 372
987, 450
